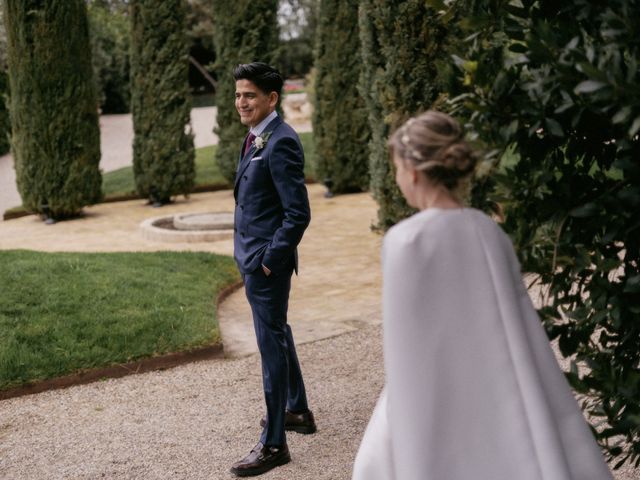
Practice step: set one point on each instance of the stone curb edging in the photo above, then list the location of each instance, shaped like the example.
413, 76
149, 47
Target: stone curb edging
151, 232
161, 362
199, 221
145, 365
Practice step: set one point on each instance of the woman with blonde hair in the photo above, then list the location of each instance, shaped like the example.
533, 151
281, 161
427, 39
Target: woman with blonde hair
473, 390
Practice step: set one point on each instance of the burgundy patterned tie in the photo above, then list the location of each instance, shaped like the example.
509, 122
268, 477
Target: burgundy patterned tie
247, 145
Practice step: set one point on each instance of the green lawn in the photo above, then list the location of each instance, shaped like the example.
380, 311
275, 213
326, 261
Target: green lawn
309, 155
65, 312
120, 182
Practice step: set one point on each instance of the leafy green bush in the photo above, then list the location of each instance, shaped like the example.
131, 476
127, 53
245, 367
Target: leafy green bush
56, 139
163, 152
558, 84
340, 125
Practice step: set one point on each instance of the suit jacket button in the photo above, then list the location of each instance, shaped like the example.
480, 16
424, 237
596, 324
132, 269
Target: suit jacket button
244, 176
235, 229
241, 207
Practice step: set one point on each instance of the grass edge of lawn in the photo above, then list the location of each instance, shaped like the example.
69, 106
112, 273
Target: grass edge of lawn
142, 365
19, 212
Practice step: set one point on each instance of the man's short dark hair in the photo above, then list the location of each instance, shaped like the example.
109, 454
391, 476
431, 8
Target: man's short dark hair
264, 76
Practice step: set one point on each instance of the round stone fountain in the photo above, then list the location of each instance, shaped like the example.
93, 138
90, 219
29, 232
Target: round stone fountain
189, 227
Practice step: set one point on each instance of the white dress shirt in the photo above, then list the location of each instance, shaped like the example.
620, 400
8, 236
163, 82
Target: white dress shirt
258, 129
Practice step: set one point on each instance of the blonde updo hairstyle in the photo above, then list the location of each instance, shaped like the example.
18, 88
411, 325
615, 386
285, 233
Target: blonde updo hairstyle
433, 143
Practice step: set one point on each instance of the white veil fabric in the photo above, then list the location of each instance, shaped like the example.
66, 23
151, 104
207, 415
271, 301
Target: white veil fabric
473, 389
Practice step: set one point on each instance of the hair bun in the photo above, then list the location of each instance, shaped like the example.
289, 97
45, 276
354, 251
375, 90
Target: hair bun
433, 142
459, 158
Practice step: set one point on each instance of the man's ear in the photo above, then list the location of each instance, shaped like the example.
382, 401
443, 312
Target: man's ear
273, 99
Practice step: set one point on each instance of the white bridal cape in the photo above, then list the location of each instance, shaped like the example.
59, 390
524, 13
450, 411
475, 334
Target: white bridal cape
473, 390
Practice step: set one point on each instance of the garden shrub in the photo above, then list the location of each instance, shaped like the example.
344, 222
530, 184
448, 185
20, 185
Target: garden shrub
163, 151
53, 106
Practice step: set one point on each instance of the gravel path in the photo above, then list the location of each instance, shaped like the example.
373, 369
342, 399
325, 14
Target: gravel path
194, 421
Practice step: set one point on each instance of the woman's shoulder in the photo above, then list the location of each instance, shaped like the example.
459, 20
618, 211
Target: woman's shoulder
434, 218
407, 229
439, 225
413, 232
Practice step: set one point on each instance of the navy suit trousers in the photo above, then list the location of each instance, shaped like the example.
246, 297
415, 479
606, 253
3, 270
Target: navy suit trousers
281, 374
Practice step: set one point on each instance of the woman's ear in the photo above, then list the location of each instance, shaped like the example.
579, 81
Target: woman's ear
415, 175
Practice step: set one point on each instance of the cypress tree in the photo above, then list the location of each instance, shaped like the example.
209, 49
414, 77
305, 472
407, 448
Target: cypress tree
246, 32
402, 44
340, 124
163, 152
5, 124
56, 138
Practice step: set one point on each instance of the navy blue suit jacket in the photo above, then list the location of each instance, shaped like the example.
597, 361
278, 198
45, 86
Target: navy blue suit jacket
272, 205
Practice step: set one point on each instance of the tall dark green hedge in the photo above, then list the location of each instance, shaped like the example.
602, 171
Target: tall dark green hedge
5, 124
402, 44
163, 152
245, 31
56, 139
553, 90
340, 124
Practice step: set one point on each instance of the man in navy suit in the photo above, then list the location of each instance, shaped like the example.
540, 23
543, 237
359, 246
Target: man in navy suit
271, 215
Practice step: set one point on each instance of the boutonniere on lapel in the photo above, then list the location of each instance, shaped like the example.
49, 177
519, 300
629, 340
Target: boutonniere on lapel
261, 140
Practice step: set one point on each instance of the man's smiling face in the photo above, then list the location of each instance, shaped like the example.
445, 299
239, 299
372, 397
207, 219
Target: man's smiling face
253, 104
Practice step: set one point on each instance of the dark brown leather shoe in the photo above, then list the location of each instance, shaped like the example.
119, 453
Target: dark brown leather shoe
261, 459
297, 422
